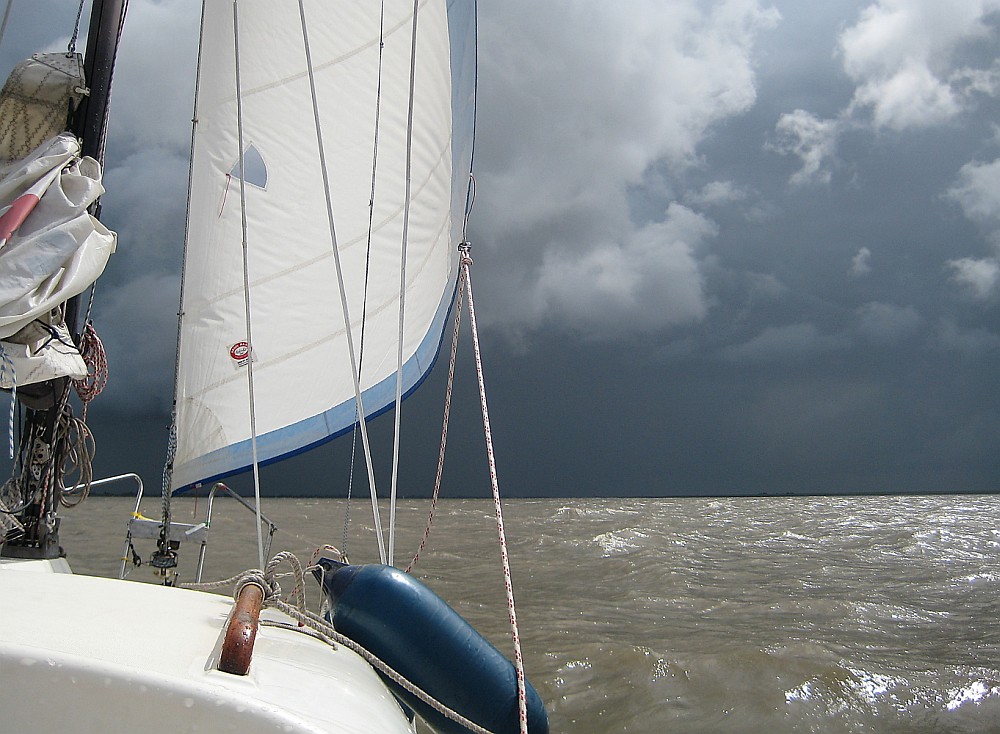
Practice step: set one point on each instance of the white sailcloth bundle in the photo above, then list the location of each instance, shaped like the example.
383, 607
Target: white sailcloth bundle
297, 346
51, 249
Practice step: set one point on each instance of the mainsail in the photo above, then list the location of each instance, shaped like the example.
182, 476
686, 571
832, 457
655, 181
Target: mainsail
271, 196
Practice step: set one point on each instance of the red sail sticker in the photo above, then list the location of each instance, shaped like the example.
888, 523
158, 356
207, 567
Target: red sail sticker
240, 353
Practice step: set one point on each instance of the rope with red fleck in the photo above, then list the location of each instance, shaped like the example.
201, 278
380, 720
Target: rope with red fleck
522, 704
444, 423
92, 351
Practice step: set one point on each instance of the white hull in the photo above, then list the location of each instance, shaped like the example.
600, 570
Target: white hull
73, 659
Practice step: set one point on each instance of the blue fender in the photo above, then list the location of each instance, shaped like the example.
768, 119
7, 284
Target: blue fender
406, 625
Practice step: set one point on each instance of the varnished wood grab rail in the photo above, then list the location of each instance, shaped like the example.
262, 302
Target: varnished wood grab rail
241, 631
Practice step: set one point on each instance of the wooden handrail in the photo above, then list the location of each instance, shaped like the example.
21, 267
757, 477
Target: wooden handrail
241, 631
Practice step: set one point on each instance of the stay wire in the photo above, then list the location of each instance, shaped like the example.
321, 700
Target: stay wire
76, 27
407, 199
368, 254
246, 285
341, 283
6, 19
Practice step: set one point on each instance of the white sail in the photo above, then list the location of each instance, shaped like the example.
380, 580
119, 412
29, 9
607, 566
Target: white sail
303, 387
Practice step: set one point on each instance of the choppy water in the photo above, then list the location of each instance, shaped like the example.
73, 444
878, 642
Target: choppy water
870, 614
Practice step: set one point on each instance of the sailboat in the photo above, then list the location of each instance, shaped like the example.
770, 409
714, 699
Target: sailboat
325, 252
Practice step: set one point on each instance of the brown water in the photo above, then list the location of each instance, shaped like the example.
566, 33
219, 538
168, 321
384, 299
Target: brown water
769, 615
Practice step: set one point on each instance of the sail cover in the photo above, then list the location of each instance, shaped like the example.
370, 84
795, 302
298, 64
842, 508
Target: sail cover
297, 346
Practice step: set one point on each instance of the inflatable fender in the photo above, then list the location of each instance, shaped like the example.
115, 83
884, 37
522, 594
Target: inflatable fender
406, 625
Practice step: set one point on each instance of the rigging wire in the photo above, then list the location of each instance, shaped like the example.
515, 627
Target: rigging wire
76, 30
342, 285
407, 196
168, 466
368, 253
6, 19
246, 285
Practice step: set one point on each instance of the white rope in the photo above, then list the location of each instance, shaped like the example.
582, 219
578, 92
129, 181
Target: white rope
522, 702
75, 456
246, 286
343, 290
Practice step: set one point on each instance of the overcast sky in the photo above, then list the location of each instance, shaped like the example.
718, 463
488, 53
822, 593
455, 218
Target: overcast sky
720, 247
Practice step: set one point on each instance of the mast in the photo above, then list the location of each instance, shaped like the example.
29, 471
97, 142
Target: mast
41, 452
106, 18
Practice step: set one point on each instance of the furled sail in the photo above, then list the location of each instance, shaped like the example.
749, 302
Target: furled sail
51, 249
297, 347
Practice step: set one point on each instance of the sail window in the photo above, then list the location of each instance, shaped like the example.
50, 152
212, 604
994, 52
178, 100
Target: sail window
254, 168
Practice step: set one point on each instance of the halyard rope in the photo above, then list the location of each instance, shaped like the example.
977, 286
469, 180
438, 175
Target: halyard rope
522, 703
465, 279
444, 422
267, 581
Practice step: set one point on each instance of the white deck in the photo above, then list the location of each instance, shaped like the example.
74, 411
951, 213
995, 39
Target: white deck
85, 654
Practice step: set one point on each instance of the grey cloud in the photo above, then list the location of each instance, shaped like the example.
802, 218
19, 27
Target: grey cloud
778, 343
887, 323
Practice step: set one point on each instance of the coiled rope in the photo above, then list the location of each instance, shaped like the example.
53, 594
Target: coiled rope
318, 627
75, 455
94, 356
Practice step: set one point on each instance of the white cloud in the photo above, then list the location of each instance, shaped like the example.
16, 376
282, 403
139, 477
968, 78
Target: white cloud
583, 100
978, 277
910, 97
861, 263
979, 81
902, 56
977, 191
649, 279
901, 53
813, 140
